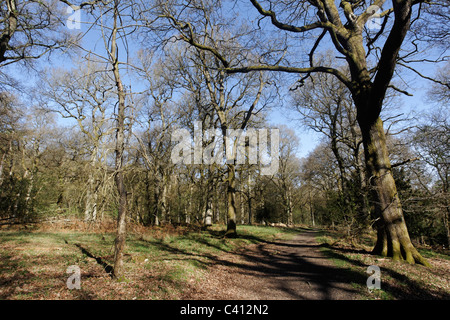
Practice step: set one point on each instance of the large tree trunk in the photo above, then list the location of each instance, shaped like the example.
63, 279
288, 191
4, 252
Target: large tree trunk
11, 18
392, 234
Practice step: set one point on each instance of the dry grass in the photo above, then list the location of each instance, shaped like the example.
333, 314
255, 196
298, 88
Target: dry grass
160, 262
167, 262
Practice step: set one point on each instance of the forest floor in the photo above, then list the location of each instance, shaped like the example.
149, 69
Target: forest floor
280, 270
185, 263
321, 265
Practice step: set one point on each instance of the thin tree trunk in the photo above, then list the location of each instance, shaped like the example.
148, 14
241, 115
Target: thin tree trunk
32, 173
156, 212
28, 200
250, 218
447, 218
216, 206
231, 203
2, 162
241, 205
209, 213
290, 217
120, 146
311, 210
164, 208
91, 194
190, 207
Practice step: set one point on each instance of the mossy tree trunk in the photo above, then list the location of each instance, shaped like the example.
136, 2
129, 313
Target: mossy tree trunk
392, 234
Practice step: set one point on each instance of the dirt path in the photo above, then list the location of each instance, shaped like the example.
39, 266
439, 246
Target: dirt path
294, 269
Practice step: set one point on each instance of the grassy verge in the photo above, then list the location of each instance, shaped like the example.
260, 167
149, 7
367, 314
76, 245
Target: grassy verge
159, 263
399, 280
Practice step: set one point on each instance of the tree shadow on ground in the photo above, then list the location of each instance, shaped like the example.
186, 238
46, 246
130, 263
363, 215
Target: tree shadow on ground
171, 252
403, 287
290, 272
292, 267
108, 268
300, 273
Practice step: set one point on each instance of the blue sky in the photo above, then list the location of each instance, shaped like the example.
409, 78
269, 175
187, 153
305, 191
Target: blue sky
308, 138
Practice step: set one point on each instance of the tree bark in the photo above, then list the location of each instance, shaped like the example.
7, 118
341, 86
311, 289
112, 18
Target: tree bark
164, 206
90, 212
209, 213
311, 210
392, 234
231, 204
11, 26
290, 216
447, 217
241, 203
120, 146
250, 218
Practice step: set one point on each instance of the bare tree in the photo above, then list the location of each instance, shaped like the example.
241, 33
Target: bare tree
230, 101
31, 29
234, 99
111, 20
9, 120
85, 95
160, 114
287, 177
120, 140
431, 141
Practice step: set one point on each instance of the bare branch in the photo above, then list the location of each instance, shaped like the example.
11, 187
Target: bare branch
287, 27
329, 70
447, 84
400, 90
